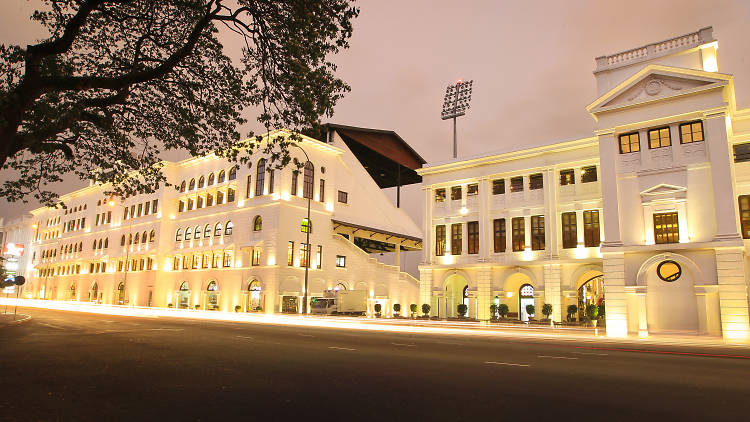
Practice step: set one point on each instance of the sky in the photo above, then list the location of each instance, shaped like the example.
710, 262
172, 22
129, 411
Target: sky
531, 62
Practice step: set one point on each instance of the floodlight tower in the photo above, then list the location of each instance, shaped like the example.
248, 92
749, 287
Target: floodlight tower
455, 104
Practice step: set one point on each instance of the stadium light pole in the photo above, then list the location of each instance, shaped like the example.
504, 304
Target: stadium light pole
455, 104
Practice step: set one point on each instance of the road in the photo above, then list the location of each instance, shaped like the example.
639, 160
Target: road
75, 366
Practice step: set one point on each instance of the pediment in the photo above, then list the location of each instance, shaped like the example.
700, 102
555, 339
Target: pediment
654, 83
663, 191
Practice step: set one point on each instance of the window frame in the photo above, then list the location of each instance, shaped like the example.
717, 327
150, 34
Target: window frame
658, 130
692, 133
518, 234
630, 143
472, 237
569, 225
670, 227
538, 240
456, 238
744, 215
567, 177
440, 240
591, 229
499, 234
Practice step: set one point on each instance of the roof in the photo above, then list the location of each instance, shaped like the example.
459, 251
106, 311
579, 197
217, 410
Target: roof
388, 159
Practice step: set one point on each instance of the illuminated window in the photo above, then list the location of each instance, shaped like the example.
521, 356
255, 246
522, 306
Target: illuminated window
256, 257
217, 260
319, 257
498, 187
567, 177
260, 177
456, 193
536, 181
307, 180
516, 184
249, 188
691, 132
304, 254
306, 226
152, 236
209, 200
188, 233
537, 232
588, 174
196, 259
290, 254
569, 230
228, 228
526, 291
666, 228
217, 229
206, 261
591, 238
630, 142
744, 201
518, 234
207, 230
230, 195
440, 240
456, 238
439, 195
472, 232
227, 259
219, 198
199, 203
321, 194
190, 204
340, 261
257, 223
472, 189
659, 138
197, 232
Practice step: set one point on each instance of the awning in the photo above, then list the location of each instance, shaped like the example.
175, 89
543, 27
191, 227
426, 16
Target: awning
375, 240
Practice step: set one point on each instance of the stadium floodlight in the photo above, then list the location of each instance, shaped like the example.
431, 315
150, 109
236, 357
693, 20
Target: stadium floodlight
455, 104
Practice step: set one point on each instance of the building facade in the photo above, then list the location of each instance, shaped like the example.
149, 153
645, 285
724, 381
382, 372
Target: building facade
649, 216
228, 237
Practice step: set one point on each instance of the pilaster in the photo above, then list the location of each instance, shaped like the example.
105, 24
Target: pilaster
721, 176
552, 291
608, 155
484, 292
425, 288
614, 291
733, 304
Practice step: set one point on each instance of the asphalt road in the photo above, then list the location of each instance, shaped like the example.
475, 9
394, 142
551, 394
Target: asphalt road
73, 366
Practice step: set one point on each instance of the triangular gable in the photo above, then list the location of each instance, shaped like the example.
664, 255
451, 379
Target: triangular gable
663, 191
656, 82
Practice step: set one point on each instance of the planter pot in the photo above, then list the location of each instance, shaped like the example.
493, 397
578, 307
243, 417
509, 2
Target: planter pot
594, 322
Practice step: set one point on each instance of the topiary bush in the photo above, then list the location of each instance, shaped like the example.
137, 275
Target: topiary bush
493, 310
462, 309
530, 310
169, 305
502, 310
413, 309
426, 309
378, 308
547, 310
592, 312
396, 308
237, 308
572, 310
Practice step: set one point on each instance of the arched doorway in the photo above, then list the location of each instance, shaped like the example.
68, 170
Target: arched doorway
591, 292
455, 293
121, 294
183, 296
339, 286
525, 297
94, 292
254, 297
212, 296
72, 292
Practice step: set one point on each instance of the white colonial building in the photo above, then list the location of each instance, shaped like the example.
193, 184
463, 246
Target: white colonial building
233, 238
649, 213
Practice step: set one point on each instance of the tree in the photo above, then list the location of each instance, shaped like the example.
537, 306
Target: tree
413, 308
462, 309
572, 310
530, 310
493, 310
378, 308
426, 309
396, 308
547, 310
502, 310
118, 81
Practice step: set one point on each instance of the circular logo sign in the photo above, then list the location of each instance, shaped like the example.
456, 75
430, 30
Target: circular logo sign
669, 271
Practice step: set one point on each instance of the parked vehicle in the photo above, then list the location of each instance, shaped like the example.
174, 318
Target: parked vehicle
351, 302
323, 306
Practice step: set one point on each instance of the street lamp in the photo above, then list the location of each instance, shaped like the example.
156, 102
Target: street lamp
308, 227
455, 104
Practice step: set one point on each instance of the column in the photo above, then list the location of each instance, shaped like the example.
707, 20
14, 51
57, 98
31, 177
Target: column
271, 293
614, 294
579, 229
608, 151
642, 316
484, 292
550, 214
733, 304
485, 225
722, 178
527, 231
425, 288
427, 244
552, 291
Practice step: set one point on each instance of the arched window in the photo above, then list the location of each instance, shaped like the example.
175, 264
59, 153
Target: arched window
191, 186
184, 286
92, 246
209, 200
309, 177
122, 240
527, 290
233, 173
137, 237
94, 293
212, 299
207, 230
340, 286
101, 243
197, 232
144, 236
182, 186
230, 195
257, 223
178, 235
106, 243
210, 179
188, 233
217, 229
152, 236
222, 177
201, 182
199, 203
130, 239
228, 228
260, 177
212, 287
121, 294
254, 296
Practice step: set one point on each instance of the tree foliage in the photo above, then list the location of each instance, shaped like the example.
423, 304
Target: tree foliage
119, 81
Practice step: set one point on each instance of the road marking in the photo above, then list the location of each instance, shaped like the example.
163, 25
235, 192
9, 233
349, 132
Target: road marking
666, 352
164, 329
594, 354
341, 348
246, 337
507, 364
448, 342
403, 344
57, 327
305, 335
556, 357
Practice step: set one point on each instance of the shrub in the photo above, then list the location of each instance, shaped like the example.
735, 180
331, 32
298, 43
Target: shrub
493, 310
378, 308
197, 306
502, 310
426, 309
169, 305
413, 308
546, 310
396, 307
530, 310
572, 310
601, 309
237, 308
462, 308
592, 311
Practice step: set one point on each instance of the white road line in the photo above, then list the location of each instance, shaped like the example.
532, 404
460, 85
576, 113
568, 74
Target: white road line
593, 354
403, 344
246, 337
556, 357
341, 348
507, 364
163, 329
305, 335
57, 327
448, 342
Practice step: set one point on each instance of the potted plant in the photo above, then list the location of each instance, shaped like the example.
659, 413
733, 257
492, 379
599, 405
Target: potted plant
237, 308
592, 311
493, 311
572, 310
413, 309
426, 310
462, 309
397, 309
547, 312
169, 305
378, 308
502, 310
530, 310
197, 307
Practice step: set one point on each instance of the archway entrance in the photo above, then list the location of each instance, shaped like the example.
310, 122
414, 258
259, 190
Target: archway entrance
525, 297
72, 292
212, 296
254, 302
94, 292
121, 294
183, 296
455, 293
591, 292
